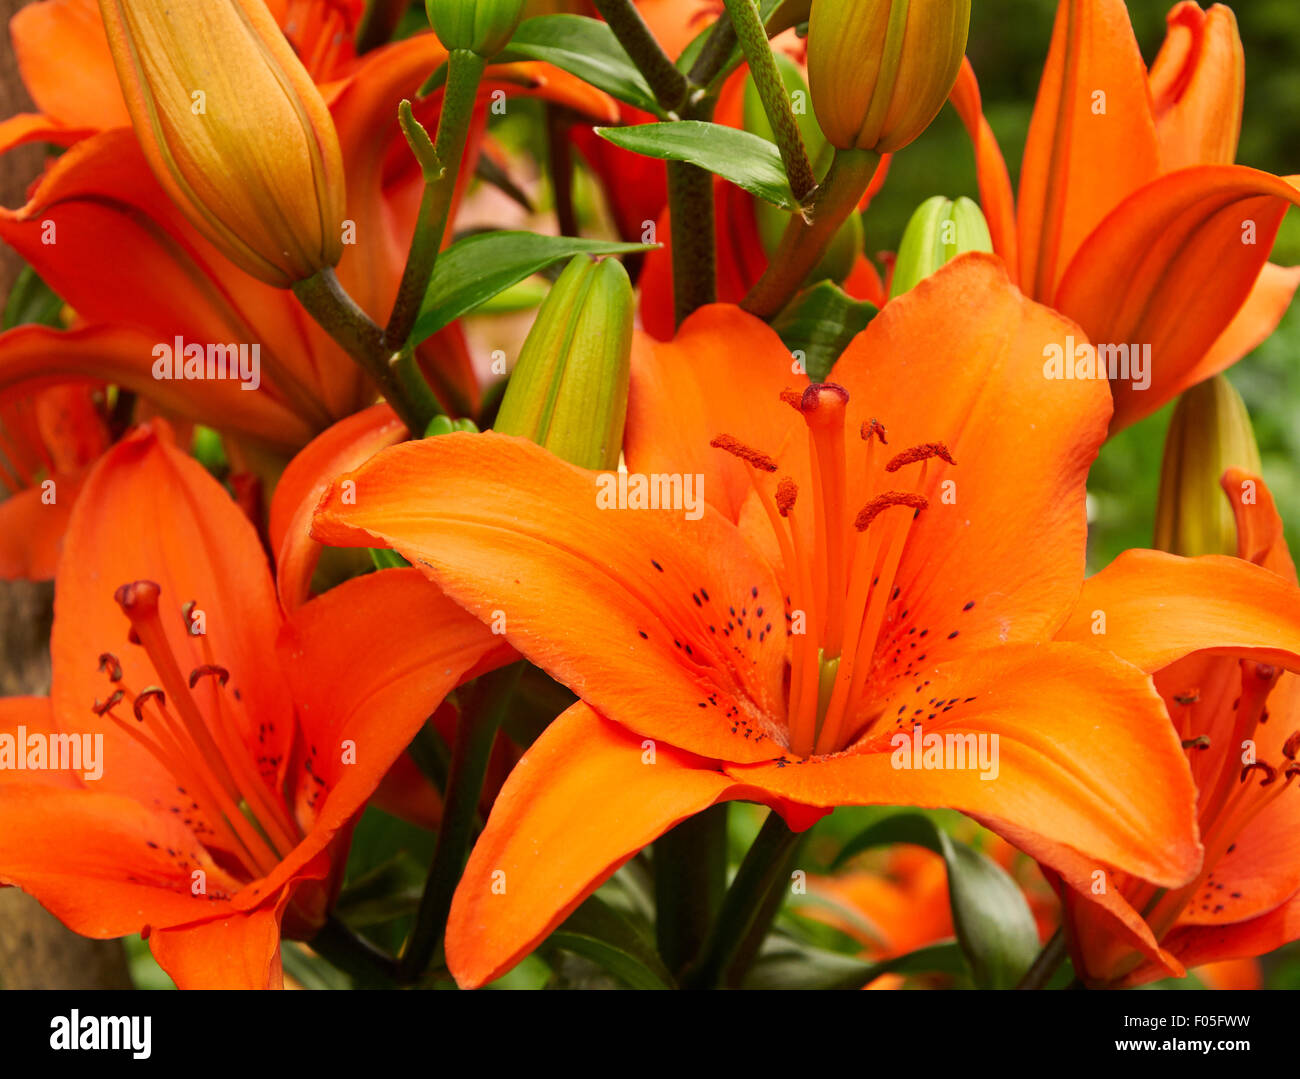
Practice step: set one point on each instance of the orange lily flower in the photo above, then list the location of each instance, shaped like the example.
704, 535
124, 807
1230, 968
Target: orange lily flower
163, 280
1132, 219
1237, 713
928, 593
224, 783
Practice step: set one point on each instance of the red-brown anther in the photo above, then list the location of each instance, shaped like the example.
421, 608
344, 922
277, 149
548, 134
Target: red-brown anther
793, 398
1290, 772
138, 599
786, 493
100, 707
223, 675
1201, 741
923, 452
823, 404
873, 427
1291, 747
110, 663
145, 695
187, 612
747, 454
880, 503
1270, 773
1191, 696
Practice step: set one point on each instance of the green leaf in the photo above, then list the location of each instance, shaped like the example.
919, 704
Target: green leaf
586, 48
820, 322
746, 160
473, 270
994, 925
31, 300
598, 932
786, 964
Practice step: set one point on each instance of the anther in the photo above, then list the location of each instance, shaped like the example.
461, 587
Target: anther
145, 694
1200, 742
109, 662
793, 398
880, 503
1191, 696
100, 707
873, 427
1291, 747
786, 493
223, 675
1270, 773
923, 452
750, 456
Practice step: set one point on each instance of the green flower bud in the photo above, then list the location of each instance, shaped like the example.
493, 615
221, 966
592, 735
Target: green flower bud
445, 425
880, 70
480, 26
568, 391
1209, 433
939, 231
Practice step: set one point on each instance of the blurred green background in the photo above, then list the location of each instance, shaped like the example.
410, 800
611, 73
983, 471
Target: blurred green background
1008, 44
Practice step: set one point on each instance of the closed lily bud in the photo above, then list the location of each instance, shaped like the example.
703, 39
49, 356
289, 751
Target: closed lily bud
479, 26
939, 231
234, 129
880, 70
1209, 433
568, 391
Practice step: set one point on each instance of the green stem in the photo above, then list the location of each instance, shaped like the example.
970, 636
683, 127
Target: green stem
328, 303
691, 214
776, 99
750, 946
745, 904
379, 23
716, 53
464, 73
475, 737
560, 163
370, 967
806, 240
671, 88
690, 869
1048, 963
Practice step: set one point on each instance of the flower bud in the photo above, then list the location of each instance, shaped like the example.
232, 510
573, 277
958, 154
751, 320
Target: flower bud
880, 70
1209, 433
480, 26
568, 391
234, 129
939, 231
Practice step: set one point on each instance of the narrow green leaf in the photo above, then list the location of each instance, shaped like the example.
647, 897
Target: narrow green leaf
818, 325
31, 300
586, 48
746, 160
994, 925
786, 964
473, 270
598, 932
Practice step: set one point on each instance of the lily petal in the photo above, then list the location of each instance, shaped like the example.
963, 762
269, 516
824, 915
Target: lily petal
996, 199
239, 952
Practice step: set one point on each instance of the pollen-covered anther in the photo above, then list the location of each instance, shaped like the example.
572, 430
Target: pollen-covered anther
147, 694
786, 493
793, 398
1291, 747
880, 503
110, 663
189, 611
747, 454
1270, 773
1199, 742
923, 452
873, 428
223, 675
100, 707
